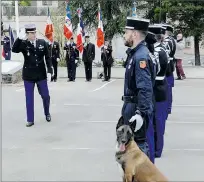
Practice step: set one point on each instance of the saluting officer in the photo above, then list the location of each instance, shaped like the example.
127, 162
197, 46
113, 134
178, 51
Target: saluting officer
139, 76
34, 70
160, 89
170, 44
55, 56
72, 57
88, 57
107, 59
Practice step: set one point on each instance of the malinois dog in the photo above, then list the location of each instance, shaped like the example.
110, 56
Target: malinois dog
135, 164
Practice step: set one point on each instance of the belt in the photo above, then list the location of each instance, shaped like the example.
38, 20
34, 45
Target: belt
130, 99
160, 78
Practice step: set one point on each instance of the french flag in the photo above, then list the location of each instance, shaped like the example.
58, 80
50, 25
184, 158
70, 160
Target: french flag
79, 38
49, 28
80, 31
100, 33
68, 32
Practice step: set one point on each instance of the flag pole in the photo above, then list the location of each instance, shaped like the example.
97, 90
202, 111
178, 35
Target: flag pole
17, 18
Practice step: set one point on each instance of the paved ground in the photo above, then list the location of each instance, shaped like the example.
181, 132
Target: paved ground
191, 72
78, 145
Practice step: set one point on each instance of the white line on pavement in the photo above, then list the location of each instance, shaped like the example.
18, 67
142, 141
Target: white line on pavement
102, 86
19, 90
96, 149
186, 105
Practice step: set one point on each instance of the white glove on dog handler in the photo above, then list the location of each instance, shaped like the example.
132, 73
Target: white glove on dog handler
58, 59
76, 61
139, 121
49, 76
22, 34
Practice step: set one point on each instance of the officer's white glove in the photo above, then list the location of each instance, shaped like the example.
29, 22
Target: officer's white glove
49, 76
76, 61
22, 34
58, 59
139, 121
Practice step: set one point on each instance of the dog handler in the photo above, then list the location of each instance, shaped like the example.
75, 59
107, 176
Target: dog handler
34, 70
139, 77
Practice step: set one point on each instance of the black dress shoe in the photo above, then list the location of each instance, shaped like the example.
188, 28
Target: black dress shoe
48, 118
29, 124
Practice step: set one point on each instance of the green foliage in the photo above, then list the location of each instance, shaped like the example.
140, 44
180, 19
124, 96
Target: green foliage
186, 16
113, 12
22, 2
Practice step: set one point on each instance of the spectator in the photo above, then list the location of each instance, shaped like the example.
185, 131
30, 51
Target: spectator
179, 56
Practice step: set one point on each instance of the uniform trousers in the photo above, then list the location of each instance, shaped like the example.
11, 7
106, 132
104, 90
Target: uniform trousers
71, 69
107, 70
8, 56
29, 94
160, 120
88, 70
170, 82
55, 64
150, 140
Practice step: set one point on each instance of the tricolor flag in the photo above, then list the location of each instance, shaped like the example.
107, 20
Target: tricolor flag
11, 36
80, 32
68, 32
79, 38
134, 10
49, 28
100, 33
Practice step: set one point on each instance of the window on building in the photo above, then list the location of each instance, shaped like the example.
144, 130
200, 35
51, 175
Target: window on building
46, 3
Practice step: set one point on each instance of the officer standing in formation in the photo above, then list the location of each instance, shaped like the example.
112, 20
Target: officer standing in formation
139, 76
72, 57
160, 89
7, 47
55, 56
34, 70
107, 59
170, 45
150, 41
87, 57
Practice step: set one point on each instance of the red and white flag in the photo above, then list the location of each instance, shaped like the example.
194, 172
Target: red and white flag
100, 33
68, 32
49, 28
79, 38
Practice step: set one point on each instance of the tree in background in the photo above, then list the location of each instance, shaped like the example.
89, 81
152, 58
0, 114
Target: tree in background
58, 20
22, 3
113, 12
187, 16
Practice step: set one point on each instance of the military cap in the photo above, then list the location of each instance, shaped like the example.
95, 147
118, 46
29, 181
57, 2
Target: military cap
168, 27
134, 23
30, 28
157, 29
87, 36
150, 38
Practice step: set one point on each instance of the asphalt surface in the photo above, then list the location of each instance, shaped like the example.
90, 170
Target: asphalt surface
79, 143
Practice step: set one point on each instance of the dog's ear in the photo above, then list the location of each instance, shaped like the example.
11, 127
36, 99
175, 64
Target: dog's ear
120, 122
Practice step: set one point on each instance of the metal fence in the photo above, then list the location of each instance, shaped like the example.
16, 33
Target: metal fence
9, 11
